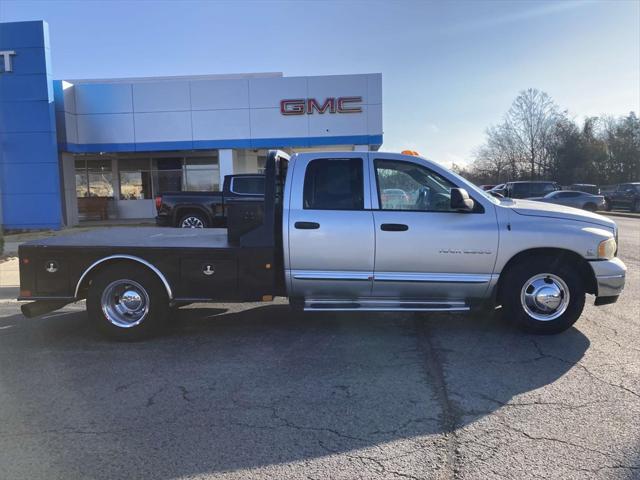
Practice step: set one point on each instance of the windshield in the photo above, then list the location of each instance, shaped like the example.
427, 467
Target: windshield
471, 187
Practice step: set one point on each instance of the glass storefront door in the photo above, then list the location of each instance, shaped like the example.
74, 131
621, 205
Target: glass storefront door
94, 188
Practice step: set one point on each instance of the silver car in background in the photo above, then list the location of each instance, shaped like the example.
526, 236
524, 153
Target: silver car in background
572, 198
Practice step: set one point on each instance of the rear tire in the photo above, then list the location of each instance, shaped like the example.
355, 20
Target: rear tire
635, 207
607, 205
127, 302
543, 295
193, 220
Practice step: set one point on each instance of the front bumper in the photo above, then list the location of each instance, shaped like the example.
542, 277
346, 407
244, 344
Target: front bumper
610, 276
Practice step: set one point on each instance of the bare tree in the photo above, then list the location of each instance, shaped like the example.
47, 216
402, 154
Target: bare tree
529, 127
537, 140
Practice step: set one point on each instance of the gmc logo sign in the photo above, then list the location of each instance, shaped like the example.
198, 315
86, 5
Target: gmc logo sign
302, 106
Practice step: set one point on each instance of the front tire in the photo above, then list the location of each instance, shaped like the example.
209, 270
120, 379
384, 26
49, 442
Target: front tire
607, 205
127, 302
635, 207
591, 207
543, 295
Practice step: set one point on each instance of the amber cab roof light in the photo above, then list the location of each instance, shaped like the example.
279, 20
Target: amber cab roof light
413, 153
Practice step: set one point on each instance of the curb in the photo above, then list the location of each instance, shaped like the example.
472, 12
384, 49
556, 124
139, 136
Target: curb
621, 214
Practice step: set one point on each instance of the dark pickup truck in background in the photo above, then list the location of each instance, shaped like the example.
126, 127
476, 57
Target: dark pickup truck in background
624, 195
527, 189
208, 209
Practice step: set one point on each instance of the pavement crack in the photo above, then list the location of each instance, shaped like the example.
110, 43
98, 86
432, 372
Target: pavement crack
378, 464
585, 369
185, 393
151, 400
404, 425
451, 414
288, 423
535, 403
557, 440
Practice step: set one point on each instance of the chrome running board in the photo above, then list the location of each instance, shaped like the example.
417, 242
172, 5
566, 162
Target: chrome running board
384, 305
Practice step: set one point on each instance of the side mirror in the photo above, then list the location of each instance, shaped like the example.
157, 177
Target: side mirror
460, 200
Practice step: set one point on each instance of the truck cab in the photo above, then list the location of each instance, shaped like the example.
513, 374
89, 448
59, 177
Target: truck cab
352, 246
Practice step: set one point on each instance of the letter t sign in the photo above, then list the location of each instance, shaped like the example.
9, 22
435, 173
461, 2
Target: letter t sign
6, 54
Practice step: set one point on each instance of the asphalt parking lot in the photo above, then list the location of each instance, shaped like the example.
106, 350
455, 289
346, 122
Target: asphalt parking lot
259, 392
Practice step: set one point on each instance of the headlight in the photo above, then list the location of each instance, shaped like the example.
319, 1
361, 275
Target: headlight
607, 248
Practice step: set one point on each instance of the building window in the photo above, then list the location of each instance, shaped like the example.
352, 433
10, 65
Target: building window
262, 163
190, 174
201, 174
135, 179
167, 175
94, 178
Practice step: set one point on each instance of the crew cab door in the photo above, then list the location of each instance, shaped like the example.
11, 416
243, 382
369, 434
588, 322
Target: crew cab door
330, 227
424, 250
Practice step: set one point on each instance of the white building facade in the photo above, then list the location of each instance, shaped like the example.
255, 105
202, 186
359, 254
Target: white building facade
121, 142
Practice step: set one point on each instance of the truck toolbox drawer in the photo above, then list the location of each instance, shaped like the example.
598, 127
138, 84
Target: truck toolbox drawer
52, 275
208, 277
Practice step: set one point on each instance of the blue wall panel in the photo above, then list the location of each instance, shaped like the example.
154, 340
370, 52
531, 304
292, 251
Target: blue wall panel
16, 88
30, 147
24, 34
31, 211
29, 170
22, 180
27, 116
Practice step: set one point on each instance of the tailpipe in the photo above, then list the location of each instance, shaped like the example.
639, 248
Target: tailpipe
35, 309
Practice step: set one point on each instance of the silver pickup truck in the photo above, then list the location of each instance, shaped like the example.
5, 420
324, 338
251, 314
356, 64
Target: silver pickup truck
349, 231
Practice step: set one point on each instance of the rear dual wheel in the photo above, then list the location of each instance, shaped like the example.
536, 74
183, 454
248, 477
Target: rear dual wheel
127, 302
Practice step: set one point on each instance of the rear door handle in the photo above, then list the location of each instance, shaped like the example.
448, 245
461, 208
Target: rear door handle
394, 227
307, 225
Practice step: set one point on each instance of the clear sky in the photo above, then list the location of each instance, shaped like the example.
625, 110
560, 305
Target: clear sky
449, 69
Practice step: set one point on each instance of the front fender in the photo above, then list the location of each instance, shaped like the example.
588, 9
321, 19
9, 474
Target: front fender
520, 234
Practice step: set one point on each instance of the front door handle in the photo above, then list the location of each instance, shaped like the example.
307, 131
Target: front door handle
307, 225
394, 227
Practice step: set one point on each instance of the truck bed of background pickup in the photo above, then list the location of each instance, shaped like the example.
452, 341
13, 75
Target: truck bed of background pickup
207, 209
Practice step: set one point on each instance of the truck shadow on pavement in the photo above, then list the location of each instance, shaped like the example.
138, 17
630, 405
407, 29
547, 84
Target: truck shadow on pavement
244, 389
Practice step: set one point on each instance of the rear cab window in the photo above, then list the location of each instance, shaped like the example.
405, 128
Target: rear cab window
334, 184
248, 185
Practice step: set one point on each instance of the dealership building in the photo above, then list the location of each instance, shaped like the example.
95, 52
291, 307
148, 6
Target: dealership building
74, 150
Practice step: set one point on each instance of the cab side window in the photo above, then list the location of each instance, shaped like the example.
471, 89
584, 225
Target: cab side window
334, 184
409, 186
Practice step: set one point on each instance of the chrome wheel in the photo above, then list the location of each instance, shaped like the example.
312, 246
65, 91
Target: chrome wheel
125, 303
545, 297
191, 222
